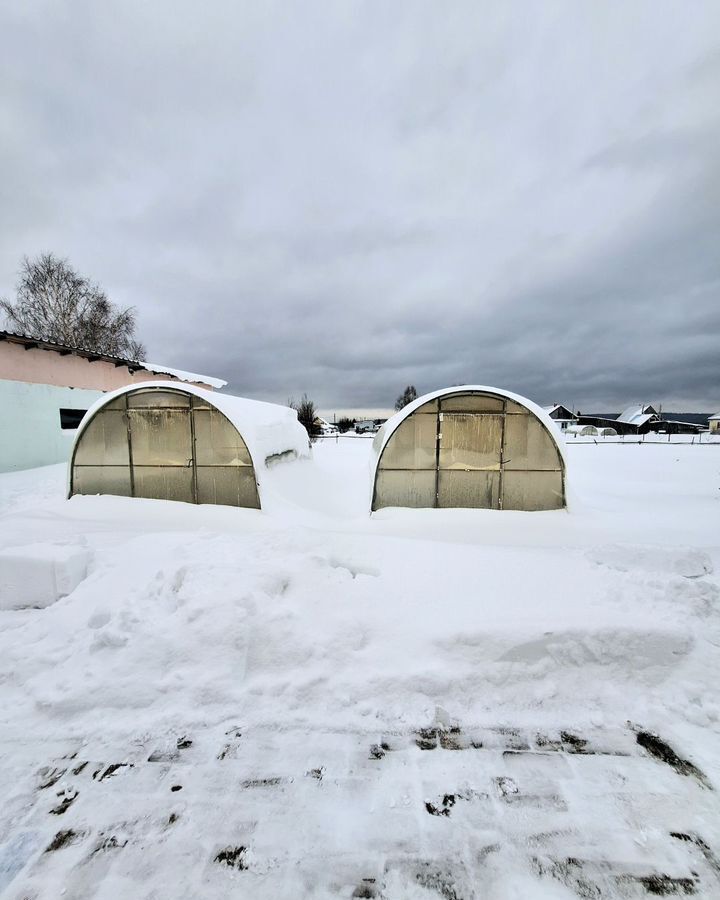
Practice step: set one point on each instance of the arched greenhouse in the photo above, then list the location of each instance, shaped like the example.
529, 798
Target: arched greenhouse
469, 446
182, 443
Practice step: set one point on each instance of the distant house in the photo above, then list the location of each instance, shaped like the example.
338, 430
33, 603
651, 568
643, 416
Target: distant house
46, 389
325, 427
648, 420
561, 415
714, 423
642, 419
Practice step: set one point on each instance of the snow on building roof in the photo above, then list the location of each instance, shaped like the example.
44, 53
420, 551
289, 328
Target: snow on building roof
386, 431
716, 416
181, 375
636, 415
268, 429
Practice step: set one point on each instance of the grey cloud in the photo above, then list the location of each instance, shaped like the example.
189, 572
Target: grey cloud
346, 199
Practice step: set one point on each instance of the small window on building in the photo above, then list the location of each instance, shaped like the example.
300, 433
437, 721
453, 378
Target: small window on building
71, 418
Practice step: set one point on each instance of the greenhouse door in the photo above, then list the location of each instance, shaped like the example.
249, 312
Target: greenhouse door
160, 431
470, 459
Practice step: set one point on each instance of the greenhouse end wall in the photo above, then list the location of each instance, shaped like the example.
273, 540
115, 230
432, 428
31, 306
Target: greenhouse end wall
474, 449
164, 445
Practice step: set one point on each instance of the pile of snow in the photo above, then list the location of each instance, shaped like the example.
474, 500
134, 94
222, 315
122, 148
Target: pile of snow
312, 701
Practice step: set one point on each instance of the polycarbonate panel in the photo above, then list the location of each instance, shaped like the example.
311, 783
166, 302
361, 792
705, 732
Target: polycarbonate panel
154, 398
413, 444
160, 437
528, 445
412, 489
117, 403
104, 441
228, 485
430, 407
533, 490
217, 441
471, 403
101, 480
156, 483
477, 490
470, 441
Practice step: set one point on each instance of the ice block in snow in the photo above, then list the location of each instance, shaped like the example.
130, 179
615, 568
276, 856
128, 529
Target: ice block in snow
38, 575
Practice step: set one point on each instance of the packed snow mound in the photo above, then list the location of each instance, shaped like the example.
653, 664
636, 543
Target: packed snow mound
687, 562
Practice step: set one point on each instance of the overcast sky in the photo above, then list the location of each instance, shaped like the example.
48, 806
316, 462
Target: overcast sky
343, 198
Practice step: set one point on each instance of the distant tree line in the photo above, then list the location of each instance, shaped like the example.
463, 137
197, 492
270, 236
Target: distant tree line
307, 413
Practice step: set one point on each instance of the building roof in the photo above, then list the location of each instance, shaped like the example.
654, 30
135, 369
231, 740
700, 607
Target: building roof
134, 365
637, 415
558, 406
716, 416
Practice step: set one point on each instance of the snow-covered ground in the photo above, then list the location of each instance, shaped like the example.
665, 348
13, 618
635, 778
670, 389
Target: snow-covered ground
312, 702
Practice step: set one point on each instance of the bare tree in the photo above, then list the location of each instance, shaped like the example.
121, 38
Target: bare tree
306, 415
55, 303
345, 424
407, 396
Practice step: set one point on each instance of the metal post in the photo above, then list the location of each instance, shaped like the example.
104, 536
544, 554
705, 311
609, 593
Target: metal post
191, 413
130, 453
438, 437
501, 476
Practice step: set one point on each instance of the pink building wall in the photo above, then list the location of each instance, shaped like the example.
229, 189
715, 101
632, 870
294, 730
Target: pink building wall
38, 366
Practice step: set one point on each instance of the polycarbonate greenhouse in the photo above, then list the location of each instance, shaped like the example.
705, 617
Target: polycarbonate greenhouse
181, 443
469, 446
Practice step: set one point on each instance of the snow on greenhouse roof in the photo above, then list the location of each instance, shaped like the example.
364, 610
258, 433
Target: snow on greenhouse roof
384, 434
268, 429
